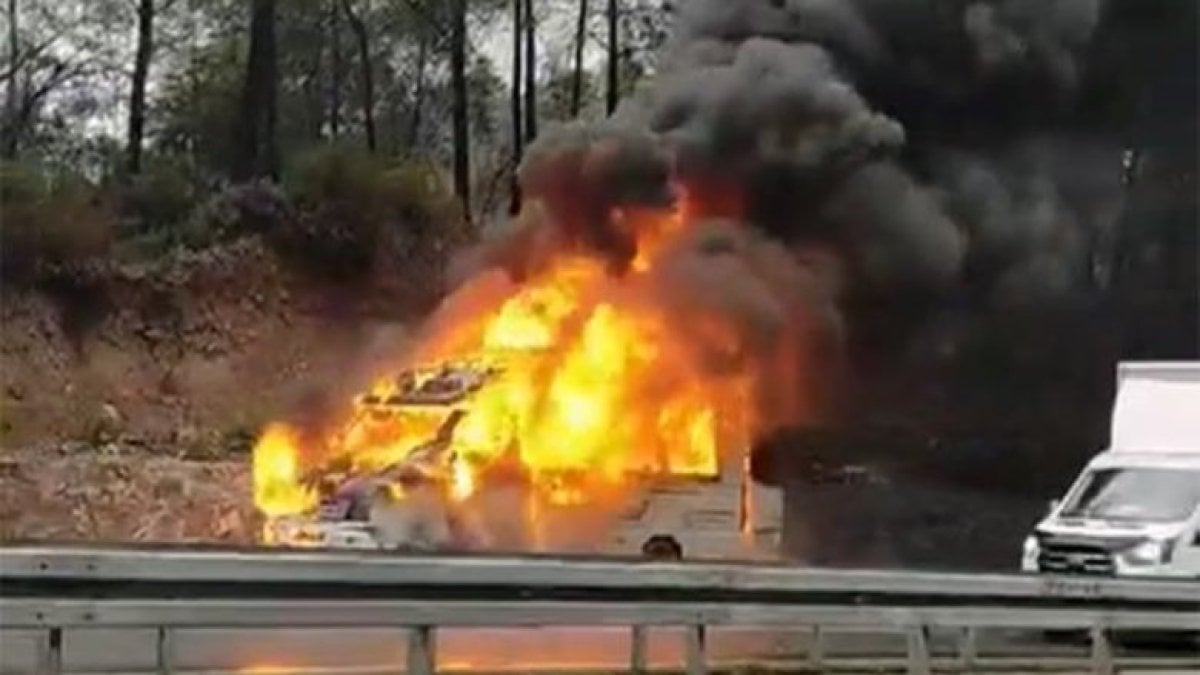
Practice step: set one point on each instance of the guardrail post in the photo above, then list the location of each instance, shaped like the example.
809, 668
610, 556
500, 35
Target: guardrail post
968, 648
637, 650
816, 649
1102, 656
918, 651
422, 654
164, 650
50, 653
695, 656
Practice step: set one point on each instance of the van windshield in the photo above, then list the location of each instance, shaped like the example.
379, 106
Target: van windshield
1136, 494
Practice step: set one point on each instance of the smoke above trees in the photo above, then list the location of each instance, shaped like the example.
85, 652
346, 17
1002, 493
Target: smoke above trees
962, 163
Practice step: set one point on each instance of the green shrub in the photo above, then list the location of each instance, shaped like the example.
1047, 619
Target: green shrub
337, 221
21, 185
332, 173
418, 194
231, 212
255, 208
50, 222
353, 210
161, 197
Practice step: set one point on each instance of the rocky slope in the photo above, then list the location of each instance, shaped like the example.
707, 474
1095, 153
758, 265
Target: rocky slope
130, 396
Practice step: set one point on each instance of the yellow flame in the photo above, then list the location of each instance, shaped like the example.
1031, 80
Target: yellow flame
594, 384
277, 487
462, 484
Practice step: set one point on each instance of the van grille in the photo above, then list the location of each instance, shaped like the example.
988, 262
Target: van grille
1075, 559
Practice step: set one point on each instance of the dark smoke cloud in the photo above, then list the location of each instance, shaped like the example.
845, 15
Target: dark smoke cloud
723, 269
904, 132
767, 100
896, 228
753, 99
1049, 35
918, 143
580, 174
832, 23
575, 178
744, 303
1038, 216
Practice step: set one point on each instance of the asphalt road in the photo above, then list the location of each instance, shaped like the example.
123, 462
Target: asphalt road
488, 650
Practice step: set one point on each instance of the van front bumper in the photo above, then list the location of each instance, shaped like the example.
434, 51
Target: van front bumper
1096, 562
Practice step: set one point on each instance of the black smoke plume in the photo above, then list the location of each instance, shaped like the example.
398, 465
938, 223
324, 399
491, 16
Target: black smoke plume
978, 170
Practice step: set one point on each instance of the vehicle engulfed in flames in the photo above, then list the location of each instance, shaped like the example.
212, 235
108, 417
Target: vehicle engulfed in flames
388, 506
569, 405
426, 500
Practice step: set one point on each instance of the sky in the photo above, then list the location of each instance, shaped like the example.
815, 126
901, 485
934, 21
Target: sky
555, 38
108, 103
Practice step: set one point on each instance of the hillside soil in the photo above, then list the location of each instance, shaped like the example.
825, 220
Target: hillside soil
131, 395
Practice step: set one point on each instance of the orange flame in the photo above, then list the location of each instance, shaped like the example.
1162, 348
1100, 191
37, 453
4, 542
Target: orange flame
277, 487
595, 383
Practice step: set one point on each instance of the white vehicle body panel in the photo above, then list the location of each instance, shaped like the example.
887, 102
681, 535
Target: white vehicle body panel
731, 517
1157, 409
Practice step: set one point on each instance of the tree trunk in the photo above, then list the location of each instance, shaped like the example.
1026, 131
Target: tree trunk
458, 78
414, 130
613, 60
270, 156
314, 97
577, 80
245, 129
335, 70
518, 145
137, 96
255, 145
10, 105
368, 81
530, 73
194, 77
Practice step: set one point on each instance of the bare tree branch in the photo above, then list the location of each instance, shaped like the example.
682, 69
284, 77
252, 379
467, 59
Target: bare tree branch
359, 28
27, 56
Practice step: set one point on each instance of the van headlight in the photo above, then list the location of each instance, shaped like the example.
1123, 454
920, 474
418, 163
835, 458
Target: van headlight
1149, 552
1029, 554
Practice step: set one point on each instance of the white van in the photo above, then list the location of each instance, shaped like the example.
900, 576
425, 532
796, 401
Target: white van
727, 515
1135, 508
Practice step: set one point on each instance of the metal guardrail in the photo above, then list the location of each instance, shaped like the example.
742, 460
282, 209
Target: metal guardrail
55, 589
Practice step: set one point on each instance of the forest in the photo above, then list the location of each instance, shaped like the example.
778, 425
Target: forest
129, 124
